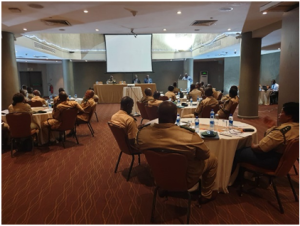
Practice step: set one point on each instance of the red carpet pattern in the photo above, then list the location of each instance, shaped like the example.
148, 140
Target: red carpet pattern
77, 185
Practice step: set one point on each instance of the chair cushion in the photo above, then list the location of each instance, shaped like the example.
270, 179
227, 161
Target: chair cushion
258, 169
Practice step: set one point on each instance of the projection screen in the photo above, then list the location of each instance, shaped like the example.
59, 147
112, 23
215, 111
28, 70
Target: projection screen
128, 53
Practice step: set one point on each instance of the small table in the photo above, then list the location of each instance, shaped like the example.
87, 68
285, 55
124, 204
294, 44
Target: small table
136, 94
264, 97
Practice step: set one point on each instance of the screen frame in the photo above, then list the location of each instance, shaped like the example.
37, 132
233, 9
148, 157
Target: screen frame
129, 72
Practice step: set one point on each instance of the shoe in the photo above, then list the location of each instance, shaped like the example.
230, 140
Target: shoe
202, 200
71, 134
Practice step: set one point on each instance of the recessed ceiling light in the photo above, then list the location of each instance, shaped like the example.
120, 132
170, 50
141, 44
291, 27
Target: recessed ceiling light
36, 6
97, 29
229, 29
264, 13
226, 9
24, 29
179, 12
56, 61
165, 29
85, 11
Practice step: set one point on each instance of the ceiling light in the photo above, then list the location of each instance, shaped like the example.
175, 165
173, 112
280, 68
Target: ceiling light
179, 12
229, 29
36, 6
85, 11
25, 29
226, 9
264, 13
97, 29
56, 61
165, 29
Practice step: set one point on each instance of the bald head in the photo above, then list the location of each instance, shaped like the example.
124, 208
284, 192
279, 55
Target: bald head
167, 112
127, 104
89, 94
208, 91
36, 93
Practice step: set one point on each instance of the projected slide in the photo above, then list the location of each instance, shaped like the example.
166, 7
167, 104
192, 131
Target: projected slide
127, 53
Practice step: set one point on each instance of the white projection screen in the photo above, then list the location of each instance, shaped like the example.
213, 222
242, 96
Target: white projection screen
128, 53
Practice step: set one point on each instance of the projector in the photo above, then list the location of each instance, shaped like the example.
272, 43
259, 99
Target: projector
131, 85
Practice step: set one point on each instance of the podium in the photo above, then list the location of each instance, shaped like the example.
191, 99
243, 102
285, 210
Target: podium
182, 84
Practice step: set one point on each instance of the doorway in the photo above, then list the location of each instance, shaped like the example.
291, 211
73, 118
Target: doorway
32, 79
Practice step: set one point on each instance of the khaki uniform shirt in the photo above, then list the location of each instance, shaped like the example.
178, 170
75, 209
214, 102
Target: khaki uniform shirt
20, 107
87, 106
57, 101
194, 94
154, 102
172, 137
145, 99
208, 101
176, 90
274, 139
226, 106
215, 93
171, 95
122, 119
38, 98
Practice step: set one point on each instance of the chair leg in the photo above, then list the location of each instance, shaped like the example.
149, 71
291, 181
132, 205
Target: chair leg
91, 129
295, 169
139, 158
189, 209
96, 116
118, 161
242, 179
12, 148
153, 205
130, 168
293, 189
277, 196
75, 134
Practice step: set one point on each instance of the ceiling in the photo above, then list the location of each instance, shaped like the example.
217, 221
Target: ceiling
142, 17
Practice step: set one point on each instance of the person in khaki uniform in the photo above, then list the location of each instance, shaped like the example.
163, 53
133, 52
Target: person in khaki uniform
123, 119
215, 92
176, 89
96, 98
87, 105
56, 99
155, 101
228, 101
194, 93
167, 135
148, 96
170, 93
208, 101
19, 105
55, 122
268, 151
37, 97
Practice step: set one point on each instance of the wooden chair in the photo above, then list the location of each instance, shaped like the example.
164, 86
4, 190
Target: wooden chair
169, 170
287, 160
163, 98
125, 147
36, 103
152, 112
206, 111
78, 121
68, 120
19, 126
142, 110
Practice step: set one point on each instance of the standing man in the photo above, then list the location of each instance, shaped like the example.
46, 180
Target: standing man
189, 79
274, 94
136, 79
148, 79
167, 135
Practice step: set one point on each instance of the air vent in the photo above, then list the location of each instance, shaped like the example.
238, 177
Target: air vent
43, 47
51, 22
14, 10
203, 22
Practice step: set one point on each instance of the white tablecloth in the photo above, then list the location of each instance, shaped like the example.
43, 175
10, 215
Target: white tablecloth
187, 110
136, 94
224, 148
264, 97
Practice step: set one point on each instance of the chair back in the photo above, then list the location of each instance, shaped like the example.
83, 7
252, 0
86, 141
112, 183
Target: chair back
121, 137
169, 169
290, 155
142, 109
92, 112
68, 119
233, 107
219, 97
163, 98
206, 111
19, 124
152, 112
36, 103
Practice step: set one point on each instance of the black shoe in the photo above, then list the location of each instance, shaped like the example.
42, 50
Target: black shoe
71, 134
202, 200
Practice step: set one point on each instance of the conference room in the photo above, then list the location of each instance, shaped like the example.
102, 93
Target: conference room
121, 49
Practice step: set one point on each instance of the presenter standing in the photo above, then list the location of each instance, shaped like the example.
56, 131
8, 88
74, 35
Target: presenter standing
148, 79
189, 79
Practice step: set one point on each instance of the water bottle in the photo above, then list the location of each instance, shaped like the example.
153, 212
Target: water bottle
178, 120
96, 82
170, 99
178, 102
197, 124
212, 120
191, 101
230, 121
70, 96
198, 99
75, 96
49, 104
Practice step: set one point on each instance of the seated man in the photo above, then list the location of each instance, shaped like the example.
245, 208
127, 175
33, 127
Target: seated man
194, 93
155, 101
87, 105
176, 90
30, 92
170, 93
96, 98
123, 119
148, 79
167, 135
56, 99
208, 101
111, 80
60, 107
37, 97
268, 151
148, 96
227, 102
215, 92
136, 79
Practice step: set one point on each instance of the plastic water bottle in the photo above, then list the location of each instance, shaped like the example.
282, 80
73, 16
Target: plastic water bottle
230, 121
197, 124
191, 101
198, 99
75, 96
96, 82
70, 96
212, 120
49, 104
178, 120
178, 102
170, 99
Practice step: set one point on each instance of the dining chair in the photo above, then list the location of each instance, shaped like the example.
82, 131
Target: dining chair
125, 147
207, 109
163, 98
19, 126
142, 110
152, 112
169, 169
96, 101
78, 122
36, 103
290, 155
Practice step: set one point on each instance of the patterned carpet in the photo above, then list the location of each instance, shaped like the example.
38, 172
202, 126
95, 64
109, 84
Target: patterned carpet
77, 185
